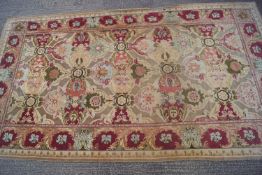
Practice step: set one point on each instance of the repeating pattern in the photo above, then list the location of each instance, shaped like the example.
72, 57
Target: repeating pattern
136, 81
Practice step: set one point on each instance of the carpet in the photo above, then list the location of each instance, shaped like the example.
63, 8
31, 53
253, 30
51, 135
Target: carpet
144, 84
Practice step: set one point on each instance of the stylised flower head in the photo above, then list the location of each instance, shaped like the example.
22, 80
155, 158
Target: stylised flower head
216, 14
189, 15
134, 139
73, 114
250, 29
214, 138
53, 25
249, 135
32, 139
107, 20
77, 22
7, 60
13, 40
33, 26
129, 19
121, 116
153, 17
167, 140
256, 49
104, 140
62, 141
7, 137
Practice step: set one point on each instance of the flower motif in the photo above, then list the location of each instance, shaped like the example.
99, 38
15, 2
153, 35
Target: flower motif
102, 73
233, 66
33, 26
73, 115
139, 71
3, 88
191, 138
173, 112
13, 40
169, 83
129, 19
5, 74
38, 63
77, 22
212, 56
54, 102
52, 73
145, 100
107, 20
121, 116
7, 60
134, 139
7, 137
62, 140
193, 96
189, 15
214, 138
226, 112
249, 135
104, 140
94, 100
81, 38
256, 49
153, 17
32, 139
53, 25
207, 29
27, 116
83, 140
162, 33
167, 139
76, 88
250, 29
216, 14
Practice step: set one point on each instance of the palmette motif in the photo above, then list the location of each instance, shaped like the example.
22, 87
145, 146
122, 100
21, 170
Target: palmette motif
142, 81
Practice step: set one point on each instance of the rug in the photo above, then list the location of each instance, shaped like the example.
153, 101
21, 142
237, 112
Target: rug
170, 83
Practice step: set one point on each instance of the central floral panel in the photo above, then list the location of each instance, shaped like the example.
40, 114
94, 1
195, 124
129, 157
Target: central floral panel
164, 80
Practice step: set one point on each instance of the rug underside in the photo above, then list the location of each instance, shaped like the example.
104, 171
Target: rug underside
142, 84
